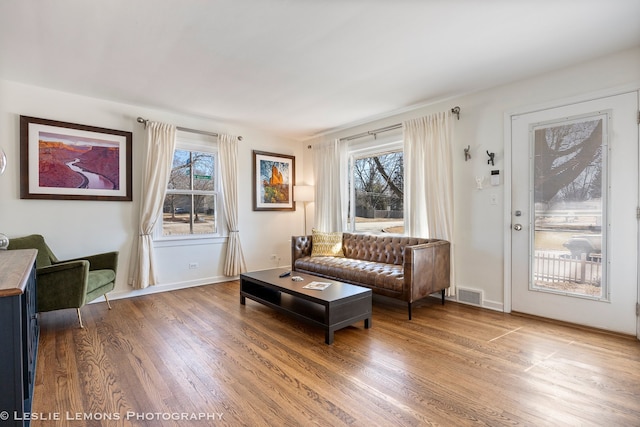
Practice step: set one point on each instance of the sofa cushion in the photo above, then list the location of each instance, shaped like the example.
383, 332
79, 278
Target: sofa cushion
99, 283
364, 273
99, 278
327, 244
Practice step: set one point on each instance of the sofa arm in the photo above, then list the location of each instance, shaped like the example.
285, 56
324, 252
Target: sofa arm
300, 247
62, 285
427, 268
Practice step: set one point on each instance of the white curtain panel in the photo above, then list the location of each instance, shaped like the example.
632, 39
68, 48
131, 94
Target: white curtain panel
234, 263
428, 201
330, 176
160, 145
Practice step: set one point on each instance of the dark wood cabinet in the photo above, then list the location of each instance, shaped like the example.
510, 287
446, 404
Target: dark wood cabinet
19, 332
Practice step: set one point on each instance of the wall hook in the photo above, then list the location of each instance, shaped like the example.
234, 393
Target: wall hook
491, 156
456, 110
467, 155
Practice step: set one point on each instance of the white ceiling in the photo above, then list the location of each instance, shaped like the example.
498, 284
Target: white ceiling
300, 67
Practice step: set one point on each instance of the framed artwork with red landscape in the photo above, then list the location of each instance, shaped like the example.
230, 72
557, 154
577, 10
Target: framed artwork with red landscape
273, 181
67, 161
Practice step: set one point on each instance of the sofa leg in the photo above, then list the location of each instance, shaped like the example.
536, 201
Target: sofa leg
109, 305
442, 296
80, 318
409, 306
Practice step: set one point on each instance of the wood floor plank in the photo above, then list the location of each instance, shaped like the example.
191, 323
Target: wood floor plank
159, 359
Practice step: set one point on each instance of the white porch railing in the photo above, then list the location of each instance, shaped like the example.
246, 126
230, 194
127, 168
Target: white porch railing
562, 268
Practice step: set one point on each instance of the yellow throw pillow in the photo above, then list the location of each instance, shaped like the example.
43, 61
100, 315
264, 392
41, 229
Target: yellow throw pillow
326, 244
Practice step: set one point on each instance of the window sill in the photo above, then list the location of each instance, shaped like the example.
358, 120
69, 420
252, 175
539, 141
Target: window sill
166, 242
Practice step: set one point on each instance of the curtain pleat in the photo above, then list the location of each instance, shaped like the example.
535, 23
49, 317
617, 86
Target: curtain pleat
234, 262
160, 145
330, 175
428, 202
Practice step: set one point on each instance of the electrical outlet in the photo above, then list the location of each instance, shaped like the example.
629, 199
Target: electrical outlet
193, 265
493, 199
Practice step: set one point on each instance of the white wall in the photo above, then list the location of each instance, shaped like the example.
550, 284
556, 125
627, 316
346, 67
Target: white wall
479, 226
75, 228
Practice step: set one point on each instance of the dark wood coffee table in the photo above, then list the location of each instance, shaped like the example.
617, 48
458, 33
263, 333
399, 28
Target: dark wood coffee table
333, 308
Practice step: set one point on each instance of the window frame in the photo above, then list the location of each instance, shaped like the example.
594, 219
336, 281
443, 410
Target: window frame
358, 149
189, 141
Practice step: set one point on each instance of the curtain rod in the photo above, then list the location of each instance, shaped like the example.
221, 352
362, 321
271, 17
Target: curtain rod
183, 129
455, 110
372, 132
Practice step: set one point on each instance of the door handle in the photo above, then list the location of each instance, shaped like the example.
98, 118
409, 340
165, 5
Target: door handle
517, 227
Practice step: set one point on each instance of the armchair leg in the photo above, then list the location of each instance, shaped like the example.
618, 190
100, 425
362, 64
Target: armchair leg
107, 300
80, 318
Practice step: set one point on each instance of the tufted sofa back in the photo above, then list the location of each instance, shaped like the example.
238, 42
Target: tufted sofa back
378, 248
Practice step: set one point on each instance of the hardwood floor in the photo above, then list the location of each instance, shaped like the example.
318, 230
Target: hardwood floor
197, 357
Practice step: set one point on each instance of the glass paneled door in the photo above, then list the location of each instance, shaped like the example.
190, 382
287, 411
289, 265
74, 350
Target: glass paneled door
574, 230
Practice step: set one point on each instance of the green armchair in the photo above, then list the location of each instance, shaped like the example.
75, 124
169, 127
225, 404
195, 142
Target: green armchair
69, 283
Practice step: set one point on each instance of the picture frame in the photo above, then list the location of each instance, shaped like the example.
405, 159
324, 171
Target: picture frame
68, 161
273, 181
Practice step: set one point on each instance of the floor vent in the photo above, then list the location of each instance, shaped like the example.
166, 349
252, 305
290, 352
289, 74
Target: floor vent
470, 296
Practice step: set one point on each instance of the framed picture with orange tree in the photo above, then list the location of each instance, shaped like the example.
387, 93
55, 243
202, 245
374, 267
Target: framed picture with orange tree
273, 181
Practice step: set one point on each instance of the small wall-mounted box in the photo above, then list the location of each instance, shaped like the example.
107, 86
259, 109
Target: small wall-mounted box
495, 177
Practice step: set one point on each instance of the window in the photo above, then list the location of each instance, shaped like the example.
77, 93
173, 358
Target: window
376, 187
192, 202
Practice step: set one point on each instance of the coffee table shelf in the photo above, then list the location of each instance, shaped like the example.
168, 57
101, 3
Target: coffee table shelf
336, 307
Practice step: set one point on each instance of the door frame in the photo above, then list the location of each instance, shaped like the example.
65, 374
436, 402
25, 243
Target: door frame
508, 151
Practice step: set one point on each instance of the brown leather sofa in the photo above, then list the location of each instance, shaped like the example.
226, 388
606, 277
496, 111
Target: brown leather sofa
405, 268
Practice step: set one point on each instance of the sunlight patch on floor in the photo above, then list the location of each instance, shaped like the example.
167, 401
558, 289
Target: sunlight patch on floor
546, 358
505, 334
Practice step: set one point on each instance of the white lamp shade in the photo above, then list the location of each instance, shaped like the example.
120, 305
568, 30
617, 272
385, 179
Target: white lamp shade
303, 193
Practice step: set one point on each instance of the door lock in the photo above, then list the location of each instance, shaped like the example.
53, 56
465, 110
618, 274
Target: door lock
517, 227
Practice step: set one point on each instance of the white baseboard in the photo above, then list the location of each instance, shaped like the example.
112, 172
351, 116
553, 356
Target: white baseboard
165, 288
493, 305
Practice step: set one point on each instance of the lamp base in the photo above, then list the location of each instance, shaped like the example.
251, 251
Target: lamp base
305, 218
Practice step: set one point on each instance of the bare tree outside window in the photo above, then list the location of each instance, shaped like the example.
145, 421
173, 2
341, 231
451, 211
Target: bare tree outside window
190, 203
378, 184
569, 166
